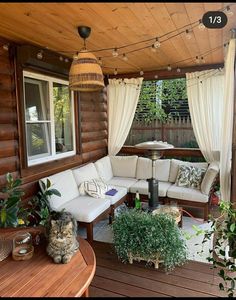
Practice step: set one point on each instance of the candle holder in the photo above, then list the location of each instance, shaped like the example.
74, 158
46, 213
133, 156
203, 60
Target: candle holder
23, 248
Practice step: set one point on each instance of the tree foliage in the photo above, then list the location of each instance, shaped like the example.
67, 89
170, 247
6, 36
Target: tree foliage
158, 97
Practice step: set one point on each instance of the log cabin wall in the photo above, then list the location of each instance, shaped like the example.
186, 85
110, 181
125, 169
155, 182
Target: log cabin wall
90, 120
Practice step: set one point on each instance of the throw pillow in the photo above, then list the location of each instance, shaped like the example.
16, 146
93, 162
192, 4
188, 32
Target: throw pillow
95, 188
196, 176
190, 176
182, 178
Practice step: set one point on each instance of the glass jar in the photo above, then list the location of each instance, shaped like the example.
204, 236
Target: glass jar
22, 246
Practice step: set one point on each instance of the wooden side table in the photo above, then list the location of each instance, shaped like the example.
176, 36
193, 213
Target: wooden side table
41, 277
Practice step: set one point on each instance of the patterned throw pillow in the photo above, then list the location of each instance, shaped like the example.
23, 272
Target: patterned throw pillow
196, 177
95, 188
190, 176
182, 178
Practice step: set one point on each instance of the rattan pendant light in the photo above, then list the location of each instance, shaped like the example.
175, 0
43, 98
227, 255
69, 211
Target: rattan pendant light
85, 73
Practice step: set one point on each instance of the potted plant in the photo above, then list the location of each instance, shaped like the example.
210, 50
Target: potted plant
223, 254
154, 238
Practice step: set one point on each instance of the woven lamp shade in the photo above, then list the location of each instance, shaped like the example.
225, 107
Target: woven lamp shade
85, 73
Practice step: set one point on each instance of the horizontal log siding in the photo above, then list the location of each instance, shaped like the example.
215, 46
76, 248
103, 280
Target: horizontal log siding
9, 158
92, 132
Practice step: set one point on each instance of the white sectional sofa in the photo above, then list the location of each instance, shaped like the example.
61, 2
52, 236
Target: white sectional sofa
127, 174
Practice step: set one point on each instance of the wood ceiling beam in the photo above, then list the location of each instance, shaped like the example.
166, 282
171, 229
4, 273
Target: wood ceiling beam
165, 74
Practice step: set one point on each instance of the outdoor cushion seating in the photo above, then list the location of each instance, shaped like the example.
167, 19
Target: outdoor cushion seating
127, 174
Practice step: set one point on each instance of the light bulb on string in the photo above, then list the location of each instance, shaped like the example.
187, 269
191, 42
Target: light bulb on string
201, 26
153, 49
141, 72
115, 53
203, 60
188, 34
61, 58
40, 55
5, 47
157, 43
197, 60
75, 56
156, 76
115, 71
125, 58
228, 11
100, 61
169, 68
178, 70
66, 60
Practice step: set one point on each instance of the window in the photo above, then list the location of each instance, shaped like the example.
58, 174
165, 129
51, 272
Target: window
49, 118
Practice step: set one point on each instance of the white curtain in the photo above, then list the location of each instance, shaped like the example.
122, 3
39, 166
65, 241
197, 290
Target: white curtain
123, 97
227, 124
205, 92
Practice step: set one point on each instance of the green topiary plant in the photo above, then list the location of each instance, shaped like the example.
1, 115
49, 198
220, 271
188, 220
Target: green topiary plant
149, 236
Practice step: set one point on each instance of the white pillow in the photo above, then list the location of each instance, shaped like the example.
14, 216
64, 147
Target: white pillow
124, 166
162, 169
85, 173
174, 167
209, 177
144, 168
94, 188
104, 169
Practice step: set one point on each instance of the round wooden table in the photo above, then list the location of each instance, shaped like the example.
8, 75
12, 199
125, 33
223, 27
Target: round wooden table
41, 277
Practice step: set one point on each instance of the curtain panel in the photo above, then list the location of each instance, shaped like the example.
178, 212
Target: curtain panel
123, 97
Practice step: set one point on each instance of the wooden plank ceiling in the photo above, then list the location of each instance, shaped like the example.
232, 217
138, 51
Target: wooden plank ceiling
54, 26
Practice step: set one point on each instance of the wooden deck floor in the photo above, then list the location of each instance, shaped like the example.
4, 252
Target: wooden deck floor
115, 279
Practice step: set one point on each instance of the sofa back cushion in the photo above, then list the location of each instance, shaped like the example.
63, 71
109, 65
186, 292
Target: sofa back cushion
144, 168
65, 183
85, 173
162, 169
104, 169
209, 177
174, 167
124, 166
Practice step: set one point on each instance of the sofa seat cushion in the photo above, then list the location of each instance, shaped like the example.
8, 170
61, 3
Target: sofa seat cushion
121, 192
121, 181
124, 166
184, 193
85, 208
104, 169
85, 173
65, 183
142, 187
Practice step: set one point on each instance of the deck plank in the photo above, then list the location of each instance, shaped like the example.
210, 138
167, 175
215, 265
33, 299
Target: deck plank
114, 277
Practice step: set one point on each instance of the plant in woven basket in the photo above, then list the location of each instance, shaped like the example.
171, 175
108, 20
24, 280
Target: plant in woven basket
149, 236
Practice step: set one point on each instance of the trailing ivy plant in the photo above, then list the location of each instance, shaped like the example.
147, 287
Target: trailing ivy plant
223, 231
149, 236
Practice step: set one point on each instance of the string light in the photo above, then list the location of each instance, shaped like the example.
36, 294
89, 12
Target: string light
169, 68
125, 58
156, 76
153, 49
115, 71
75, 56
197, 60
141, 72
188, 34
66, 60
201, 26
157, 43
5, 47
178, 70
203, 60
228, 11
40, 55
61, 58
100, 61
115, 53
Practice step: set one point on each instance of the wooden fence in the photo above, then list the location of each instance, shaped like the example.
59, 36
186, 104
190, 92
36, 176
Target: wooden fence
177, 131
